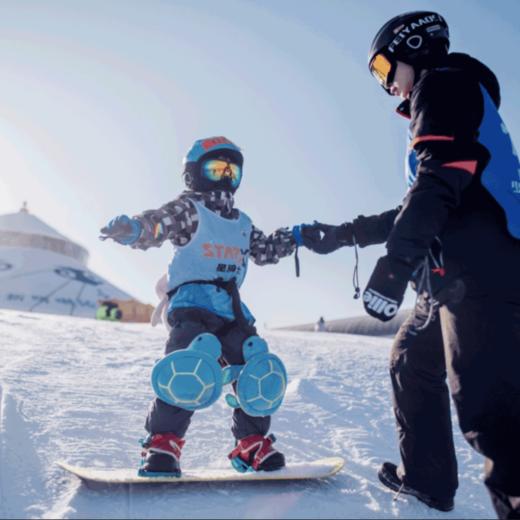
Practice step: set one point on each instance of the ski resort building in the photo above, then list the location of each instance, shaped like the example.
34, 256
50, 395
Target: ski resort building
43, 271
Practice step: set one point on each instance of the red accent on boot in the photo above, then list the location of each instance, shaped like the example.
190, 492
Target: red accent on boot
166, 443
257, 444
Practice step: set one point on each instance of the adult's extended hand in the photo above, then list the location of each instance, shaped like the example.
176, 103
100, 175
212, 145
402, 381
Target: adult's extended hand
324, 238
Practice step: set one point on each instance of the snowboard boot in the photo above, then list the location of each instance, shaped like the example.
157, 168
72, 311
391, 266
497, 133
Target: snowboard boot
256, 453
388, 476
161, 455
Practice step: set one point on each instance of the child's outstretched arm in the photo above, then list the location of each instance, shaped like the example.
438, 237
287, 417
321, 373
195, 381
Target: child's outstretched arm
269, 249
176, 221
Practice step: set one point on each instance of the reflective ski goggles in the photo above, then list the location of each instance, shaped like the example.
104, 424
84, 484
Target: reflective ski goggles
383, 70
216, 170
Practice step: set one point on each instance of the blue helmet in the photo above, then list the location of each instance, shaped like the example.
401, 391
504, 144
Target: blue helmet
213, 163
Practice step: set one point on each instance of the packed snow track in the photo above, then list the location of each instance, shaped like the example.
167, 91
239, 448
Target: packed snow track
77, 390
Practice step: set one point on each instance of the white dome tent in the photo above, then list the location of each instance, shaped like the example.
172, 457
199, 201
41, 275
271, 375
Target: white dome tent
43, 271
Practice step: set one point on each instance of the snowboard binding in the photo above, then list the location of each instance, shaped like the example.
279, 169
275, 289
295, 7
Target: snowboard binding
256, 453
161, 455
260, 383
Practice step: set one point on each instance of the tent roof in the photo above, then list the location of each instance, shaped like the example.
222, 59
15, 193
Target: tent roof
24, 222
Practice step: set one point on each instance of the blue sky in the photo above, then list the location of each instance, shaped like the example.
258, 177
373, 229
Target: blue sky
99, 100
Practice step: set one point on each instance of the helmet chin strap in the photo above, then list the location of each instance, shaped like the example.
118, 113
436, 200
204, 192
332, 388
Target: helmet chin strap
417, 70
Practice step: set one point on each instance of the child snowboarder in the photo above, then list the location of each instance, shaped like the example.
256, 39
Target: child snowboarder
213, 242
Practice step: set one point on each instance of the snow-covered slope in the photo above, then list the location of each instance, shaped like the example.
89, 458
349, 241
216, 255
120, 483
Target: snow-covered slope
78, 390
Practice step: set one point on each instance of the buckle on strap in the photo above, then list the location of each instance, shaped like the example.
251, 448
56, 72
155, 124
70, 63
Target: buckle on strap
261, 446
166, 443
230, 286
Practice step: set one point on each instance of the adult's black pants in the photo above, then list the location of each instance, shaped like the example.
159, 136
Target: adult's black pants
480, 332
422, 406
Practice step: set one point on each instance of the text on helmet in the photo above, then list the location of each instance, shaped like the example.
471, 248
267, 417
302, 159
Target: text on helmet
407, 30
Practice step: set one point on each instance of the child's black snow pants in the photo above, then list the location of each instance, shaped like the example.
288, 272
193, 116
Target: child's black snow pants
186, 325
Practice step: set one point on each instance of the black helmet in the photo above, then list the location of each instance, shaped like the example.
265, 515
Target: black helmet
418, 38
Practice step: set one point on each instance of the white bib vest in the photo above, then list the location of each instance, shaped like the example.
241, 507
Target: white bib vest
219, 250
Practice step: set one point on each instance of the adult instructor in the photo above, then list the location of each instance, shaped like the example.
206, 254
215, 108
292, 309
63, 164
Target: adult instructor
457, 238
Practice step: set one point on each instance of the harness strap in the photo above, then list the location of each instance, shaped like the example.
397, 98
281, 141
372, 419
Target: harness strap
231, 288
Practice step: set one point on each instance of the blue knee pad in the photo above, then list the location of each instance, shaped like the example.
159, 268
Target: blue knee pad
191, 378
260, 383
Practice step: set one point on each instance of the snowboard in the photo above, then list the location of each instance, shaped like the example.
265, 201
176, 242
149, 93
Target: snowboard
317, 469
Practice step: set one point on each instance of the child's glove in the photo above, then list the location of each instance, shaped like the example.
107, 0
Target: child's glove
385, 289
123, 229
323, 238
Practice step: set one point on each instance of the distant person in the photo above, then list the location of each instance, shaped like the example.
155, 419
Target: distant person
109, 311
457, 237
320, 325
213, 242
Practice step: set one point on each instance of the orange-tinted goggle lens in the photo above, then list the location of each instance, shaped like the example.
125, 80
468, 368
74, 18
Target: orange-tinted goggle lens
216, 170
381, 68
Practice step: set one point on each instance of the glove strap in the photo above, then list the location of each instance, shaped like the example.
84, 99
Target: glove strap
297, 235
297, 262
355, 274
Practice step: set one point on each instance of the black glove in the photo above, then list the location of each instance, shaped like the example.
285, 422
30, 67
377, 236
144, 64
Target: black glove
385, 289
324, 238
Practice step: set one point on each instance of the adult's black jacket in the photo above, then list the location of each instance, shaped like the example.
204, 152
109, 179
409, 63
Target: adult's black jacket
447, 199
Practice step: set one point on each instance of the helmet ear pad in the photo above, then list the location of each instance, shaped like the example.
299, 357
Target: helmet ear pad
188, 178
